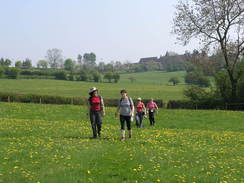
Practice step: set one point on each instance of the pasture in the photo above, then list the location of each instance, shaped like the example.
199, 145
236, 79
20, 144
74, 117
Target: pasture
50, 144
146, 85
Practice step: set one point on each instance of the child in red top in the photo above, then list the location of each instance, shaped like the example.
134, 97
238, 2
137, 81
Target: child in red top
151, 108
140, 112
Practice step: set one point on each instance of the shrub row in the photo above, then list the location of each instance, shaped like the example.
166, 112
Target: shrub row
208, 104
48, 99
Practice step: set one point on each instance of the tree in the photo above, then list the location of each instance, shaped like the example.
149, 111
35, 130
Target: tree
42, 64
96, 76
79, 59
55, 58
18, 64
1, 72
26, 64
2, 61
108, 76
174, 80
5, 62
197, 78
116, 77
218, 23
61, 75
69, 64
12, 73
89, 59
83, 76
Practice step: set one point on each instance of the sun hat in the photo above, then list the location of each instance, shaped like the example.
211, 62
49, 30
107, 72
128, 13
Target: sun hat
139, 98
92, 90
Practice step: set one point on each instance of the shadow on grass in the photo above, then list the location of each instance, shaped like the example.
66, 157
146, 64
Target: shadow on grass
85, 138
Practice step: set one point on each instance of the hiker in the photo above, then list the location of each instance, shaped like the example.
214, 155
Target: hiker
96, 111
126, 111
140, 112
152, 108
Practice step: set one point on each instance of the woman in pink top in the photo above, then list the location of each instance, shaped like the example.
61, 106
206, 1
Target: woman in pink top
151, 108
140, 112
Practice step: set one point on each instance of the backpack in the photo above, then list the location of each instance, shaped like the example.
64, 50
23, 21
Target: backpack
129, 101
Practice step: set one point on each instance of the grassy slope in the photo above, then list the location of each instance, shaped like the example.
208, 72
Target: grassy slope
49, 143
147, 85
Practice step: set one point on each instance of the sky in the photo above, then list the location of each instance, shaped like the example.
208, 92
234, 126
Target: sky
115, 30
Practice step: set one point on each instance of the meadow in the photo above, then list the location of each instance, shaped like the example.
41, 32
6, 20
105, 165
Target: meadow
51, 144
146, 85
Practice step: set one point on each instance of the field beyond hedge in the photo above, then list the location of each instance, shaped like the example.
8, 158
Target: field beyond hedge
146, 85
50, 144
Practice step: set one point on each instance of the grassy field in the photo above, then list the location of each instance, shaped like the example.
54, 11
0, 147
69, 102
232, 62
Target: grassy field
50, 144
146, 85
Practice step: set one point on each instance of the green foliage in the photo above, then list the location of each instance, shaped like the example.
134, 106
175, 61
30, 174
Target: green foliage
5, 62
69, 64
108, 76
83, 76
116, 77
42, 64
174, 80
197, 78
26, 64
96, 77
61, 75
1, 72
223, 85
12, 73
89, 59
195, 93
18, 64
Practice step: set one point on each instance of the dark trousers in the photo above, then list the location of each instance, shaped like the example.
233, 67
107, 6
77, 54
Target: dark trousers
151, 118
127, 120
96, 122
139, 118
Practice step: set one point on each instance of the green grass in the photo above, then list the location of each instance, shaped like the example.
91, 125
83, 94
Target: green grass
147, 85
50, 143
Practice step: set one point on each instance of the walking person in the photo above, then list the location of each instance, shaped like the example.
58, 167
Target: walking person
152, 108
140, 112
126, 111
96, 111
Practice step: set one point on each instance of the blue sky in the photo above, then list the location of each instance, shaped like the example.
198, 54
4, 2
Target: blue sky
113, 29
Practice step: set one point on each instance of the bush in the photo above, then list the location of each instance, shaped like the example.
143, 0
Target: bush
197, 78
12, 73
48, 99
223, 85
1, 72
174, 80
61, 75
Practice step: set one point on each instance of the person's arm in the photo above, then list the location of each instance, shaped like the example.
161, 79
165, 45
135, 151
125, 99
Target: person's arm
144, 109
88, 107
102, 107
147, 109
117, 110
132, 107
156, 107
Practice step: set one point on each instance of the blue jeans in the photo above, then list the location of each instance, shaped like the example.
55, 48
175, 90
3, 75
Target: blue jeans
139, 118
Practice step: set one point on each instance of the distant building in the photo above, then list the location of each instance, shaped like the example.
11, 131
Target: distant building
148, 60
